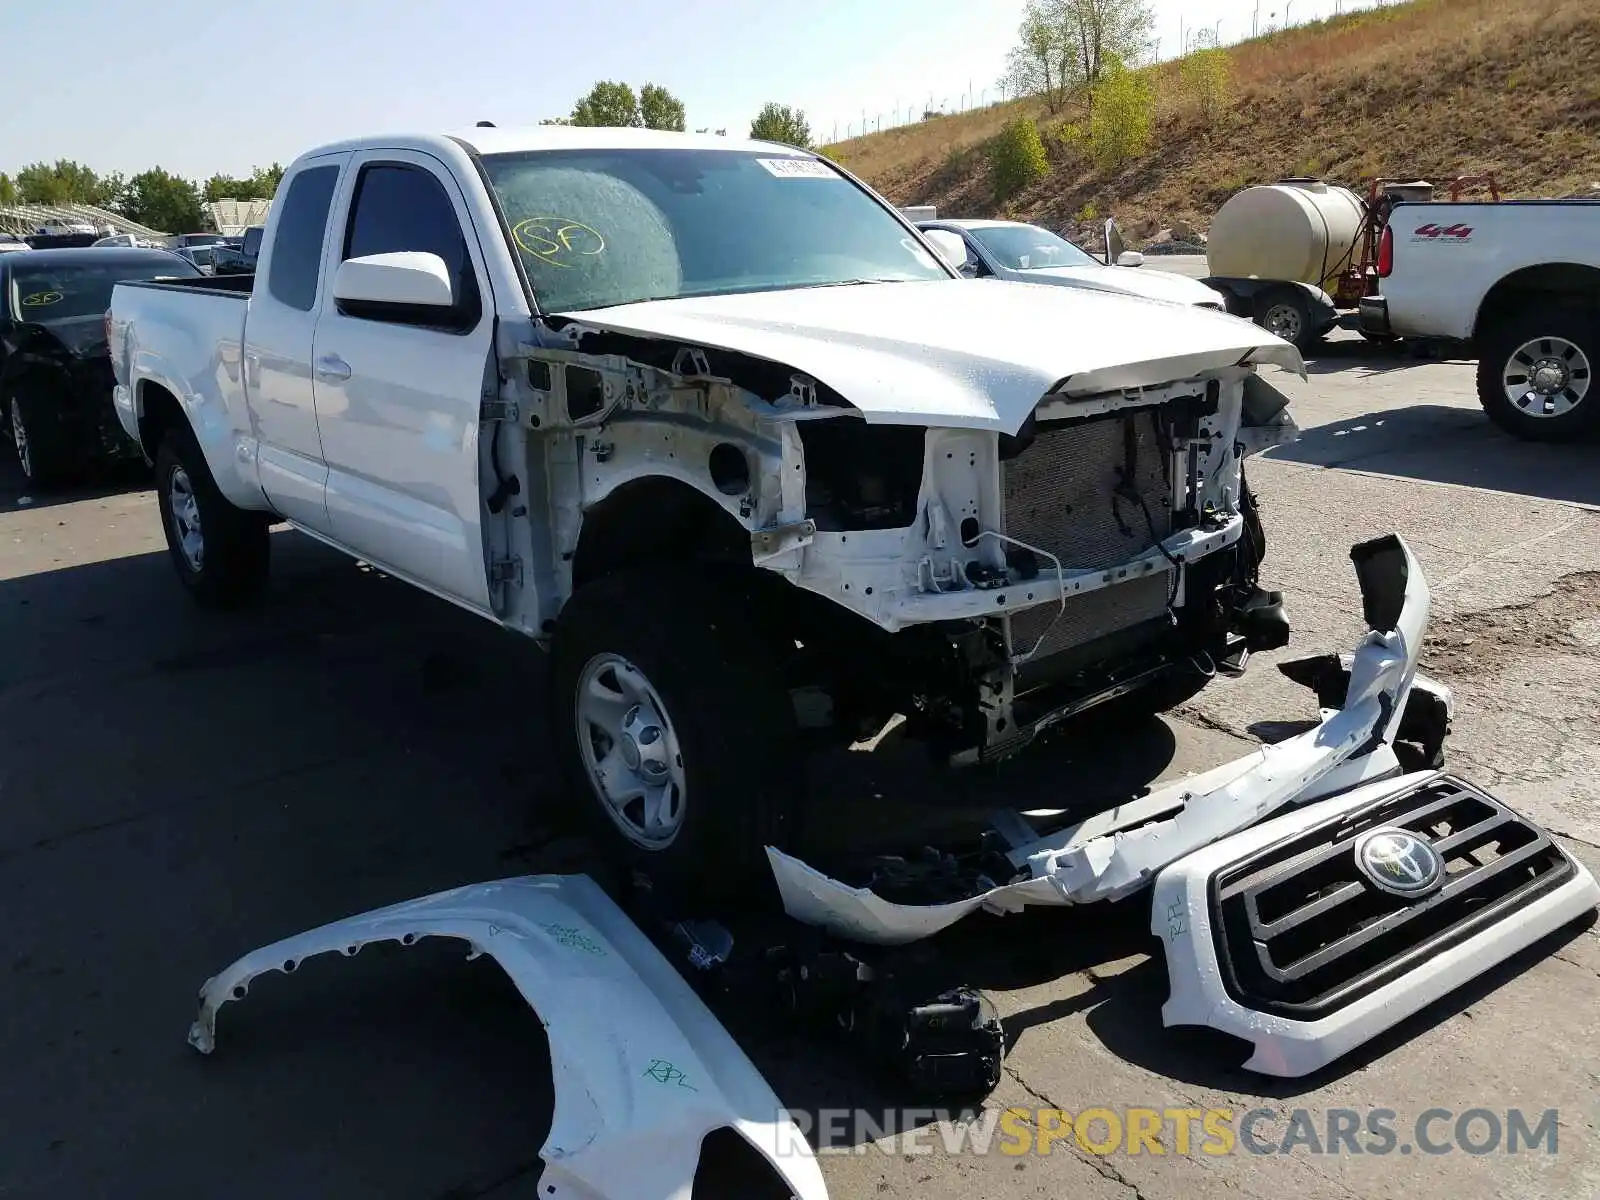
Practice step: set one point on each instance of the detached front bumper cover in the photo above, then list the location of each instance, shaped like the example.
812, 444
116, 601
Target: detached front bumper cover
643, 1071
1116, 853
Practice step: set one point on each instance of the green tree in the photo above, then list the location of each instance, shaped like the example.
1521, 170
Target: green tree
265, 181
163, 201
1122, 117
608, 103
1205, 75
1017, 158
782, 124
226, 187
61, 182
1064, 45
8, 190
660, 109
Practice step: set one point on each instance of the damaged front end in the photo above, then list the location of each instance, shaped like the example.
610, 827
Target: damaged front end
645, 1076
1016, 548
1271, 933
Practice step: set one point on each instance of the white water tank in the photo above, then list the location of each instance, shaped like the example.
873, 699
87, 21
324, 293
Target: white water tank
1299, 229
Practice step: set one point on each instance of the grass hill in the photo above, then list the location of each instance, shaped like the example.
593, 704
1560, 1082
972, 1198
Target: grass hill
1430, 89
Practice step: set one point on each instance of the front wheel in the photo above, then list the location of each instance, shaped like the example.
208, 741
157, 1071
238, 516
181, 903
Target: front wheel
222, 553
1536, 373
675, 730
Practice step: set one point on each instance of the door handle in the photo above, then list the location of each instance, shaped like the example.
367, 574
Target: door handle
331, 369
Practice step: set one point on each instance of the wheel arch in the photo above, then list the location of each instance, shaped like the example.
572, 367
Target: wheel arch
1560, 281
159, 411
655, 519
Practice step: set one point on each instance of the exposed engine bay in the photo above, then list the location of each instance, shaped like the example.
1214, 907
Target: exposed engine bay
997, 581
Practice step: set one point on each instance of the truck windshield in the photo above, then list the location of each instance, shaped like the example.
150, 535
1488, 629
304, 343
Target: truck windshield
45, 295
601, 227
1027, 247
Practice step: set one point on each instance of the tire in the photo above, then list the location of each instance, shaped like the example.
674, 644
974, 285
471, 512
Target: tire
1287, 313
1559, 345
41, 442
723, 719
228, 567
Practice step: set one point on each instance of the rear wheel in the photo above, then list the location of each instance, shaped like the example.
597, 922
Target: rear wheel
1287, 313
675, 730
1536, 373
43, 449
221, 552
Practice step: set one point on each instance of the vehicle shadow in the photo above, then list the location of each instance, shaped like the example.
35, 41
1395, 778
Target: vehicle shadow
1444, 444
113, 480
1357, 355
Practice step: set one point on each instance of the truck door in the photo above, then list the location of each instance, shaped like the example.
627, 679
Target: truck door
278, 336
398, 402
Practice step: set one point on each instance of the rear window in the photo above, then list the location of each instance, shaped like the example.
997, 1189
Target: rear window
602, 227
296, 263
46, 296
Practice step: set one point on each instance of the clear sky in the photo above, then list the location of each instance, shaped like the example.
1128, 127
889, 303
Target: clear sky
199, 86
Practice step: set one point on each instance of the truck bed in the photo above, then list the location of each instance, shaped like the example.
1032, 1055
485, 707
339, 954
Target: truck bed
228, 285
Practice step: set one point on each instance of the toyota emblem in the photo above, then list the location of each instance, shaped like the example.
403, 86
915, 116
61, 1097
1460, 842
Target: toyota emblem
1399, 862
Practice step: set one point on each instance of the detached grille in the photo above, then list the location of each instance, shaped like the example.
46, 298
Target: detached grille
1059, 493
1302, 932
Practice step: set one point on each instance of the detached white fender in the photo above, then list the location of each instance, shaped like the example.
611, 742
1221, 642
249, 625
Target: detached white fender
642, 1069
1115, 854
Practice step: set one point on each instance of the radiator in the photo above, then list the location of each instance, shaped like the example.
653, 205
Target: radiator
1059, 496
1091, 615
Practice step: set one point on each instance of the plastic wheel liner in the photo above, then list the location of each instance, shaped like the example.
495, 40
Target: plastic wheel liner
643, 1071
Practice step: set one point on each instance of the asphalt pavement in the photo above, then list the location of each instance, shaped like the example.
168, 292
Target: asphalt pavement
177, 788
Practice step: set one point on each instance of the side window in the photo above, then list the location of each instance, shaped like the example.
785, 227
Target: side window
979, 267
297, 251
406, 208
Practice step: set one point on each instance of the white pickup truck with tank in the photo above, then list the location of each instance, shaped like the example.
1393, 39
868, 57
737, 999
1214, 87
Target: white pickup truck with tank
1517, 283
1298, 256
716, 423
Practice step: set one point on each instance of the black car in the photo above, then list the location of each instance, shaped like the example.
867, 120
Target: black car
240, 259
55, 368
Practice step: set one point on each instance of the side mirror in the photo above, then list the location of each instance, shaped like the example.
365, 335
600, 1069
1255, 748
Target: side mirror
1130, 258
1115, 246
951, 246
404, 285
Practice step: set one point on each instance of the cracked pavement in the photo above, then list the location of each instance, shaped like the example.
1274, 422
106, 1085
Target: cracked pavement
179, 788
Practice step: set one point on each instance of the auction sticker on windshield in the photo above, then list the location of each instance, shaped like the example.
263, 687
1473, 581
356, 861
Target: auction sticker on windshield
798, 168
41, 299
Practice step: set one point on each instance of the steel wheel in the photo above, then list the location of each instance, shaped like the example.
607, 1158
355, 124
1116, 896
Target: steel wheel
630, 751
1285, 320
1546, 377
19, 436
185, 508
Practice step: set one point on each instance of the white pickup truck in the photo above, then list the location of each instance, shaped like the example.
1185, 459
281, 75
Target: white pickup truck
714, 421
1517, 281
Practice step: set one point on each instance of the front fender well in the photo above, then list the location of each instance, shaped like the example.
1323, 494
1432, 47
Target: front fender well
656, 518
